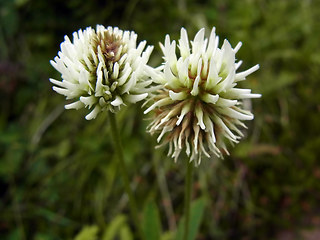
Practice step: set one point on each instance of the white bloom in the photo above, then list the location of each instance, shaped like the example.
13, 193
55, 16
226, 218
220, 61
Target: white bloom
102, 69
198, 105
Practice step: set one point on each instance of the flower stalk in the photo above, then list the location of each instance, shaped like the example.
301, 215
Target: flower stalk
124, 173
187, 198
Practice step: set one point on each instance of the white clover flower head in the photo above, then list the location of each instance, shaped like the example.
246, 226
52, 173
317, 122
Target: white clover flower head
198, 105
102, 69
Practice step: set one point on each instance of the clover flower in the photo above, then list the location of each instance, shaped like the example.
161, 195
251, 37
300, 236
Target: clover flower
102, 69
198, 105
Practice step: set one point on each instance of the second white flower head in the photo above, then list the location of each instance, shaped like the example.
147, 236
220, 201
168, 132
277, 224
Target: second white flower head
198, 105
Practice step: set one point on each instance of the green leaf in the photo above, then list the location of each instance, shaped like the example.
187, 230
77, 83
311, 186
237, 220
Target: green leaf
125, 233
168, 236
118, 226
88, 233
196, 214
151, 221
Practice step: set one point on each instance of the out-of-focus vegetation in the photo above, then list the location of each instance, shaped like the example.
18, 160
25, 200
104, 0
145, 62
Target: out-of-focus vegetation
58, 177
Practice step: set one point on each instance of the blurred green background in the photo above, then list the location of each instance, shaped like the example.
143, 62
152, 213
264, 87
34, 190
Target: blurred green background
57, 173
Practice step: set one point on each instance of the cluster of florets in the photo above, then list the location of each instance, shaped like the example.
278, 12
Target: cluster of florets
198, 105
195, 102
102, 69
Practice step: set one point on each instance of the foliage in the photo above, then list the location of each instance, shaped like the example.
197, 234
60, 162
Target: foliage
57, 172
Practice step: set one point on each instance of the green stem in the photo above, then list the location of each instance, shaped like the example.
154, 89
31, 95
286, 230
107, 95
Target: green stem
187, 199
124, 173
